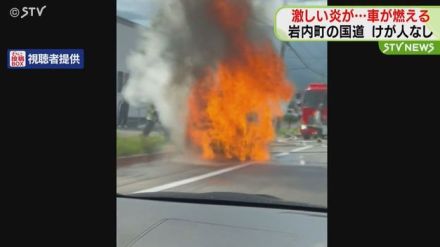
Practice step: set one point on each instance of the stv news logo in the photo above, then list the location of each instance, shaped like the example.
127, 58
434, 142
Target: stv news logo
17, 59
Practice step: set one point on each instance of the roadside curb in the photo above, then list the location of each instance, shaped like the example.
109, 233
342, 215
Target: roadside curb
140, 158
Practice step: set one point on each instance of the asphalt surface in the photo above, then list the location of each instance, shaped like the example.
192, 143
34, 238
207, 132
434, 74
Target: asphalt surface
297, 172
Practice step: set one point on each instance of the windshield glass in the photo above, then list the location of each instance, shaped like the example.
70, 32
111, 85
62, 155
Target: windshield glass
314, 98
209, 105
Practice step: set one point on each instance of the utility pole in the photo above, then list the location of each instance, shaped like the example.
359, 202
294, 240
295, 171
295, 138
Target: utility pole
282, 52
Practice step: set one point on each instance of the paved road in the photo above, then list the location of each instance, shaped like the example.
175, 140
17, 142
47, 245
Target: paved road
297, 172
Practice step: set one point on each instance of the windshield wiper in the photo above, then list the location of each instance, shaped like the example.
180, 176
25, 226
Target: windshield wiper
228, 198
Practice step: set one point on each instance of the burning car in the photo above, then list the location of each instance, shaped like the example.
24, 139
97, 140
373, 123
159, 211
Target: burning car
233, 104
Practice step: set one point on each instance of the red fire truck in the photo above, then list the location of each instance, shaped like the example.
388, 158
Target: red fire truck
314, 111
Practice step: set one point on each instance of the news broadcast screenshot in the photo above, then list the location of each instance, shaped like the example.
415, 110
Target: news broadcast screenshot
223, 123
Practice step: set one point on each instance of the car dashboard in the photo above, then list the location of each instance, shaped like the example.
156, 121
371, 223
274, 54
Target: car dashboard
142, 223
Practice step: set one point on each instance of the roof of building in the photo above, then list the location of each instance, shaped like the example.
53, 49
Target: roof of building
127, 22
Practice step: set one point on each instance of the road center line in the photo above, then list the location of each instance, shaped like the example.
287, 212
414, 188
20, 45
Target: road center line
193, 179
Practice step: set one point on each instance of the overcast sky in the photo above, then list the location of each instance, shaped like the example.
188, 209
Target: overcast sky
140, 11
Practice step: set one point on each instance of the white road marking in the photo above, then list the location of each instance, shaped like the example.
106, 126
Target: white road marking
282, 154
193, 179
301, 149
293, 151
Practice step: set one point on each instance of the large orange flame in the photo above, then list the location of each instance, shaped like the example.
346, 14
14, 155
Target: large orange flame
232, 106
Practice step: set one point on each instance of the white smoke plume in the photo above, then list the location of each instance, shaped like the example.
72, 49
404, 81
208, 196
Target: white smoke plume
181, 42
